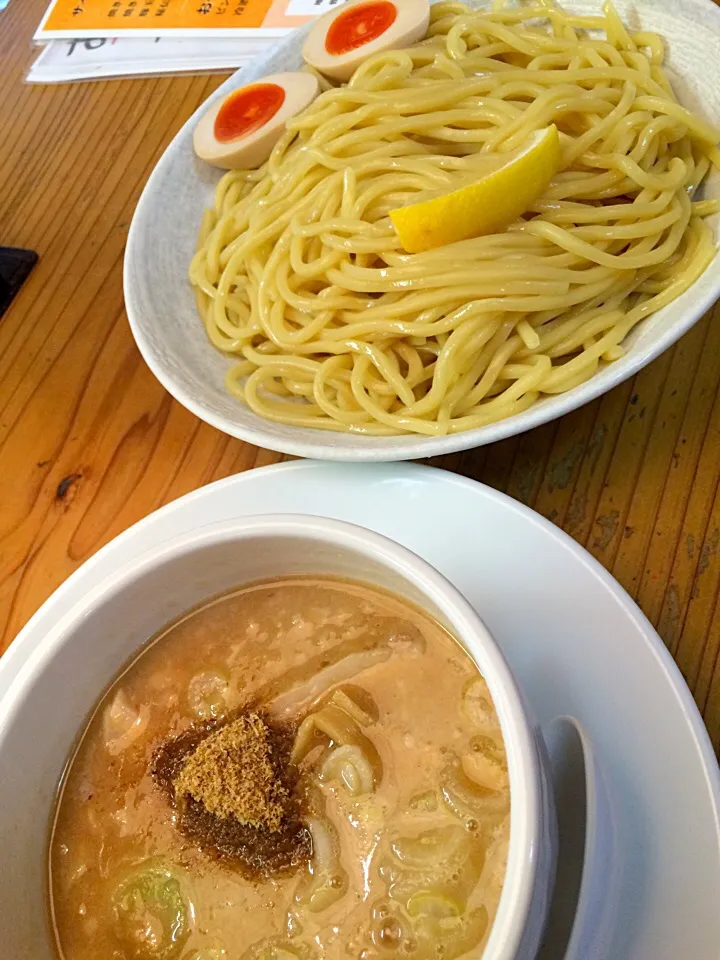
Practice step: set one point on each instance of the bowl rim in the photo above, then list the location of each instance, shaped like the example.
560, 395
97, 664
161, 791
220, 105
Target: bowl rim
317, 444
524, 859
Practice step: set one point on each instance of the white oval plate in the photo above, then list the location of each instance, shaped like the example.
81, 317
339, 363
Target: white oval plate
162, 240
577, 643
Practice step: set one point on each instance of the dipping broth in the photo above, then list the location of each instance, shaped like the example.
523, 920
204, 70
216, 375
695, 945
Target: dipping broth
406, 810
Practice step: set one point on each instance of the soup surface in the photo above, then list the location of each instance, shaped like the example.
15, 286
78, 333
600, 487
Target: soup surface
407, 807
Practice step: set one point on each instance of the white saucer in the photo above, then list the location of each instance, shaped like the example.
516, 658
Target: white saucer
576, 641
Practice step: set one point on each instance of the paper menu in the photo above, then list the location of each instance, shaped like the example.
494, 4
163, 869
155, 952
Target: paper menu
71, 19
310, 8
63, 61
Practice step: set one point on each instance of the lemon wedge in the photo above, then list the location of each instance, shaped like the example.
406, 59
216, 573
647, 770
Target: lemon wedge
513, 183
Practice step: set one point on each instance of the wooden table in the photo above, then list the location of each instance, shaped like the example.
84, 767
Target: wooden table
90, 442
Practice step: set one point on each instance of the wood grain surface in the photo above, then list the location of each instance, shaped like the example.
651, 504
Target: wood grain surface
90, 442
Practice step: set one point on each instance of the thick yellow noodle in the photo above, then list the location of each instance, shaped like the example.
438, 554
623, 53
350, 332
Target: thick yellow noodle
300, 273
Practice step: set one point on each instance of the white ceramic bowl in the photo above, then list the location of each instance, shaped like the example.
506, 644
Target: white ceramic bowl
55, 690
162, 240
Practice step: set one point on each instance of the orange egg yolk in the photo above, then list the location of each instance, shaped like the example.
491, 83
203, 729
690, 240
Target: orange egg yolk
355, 27
246, 110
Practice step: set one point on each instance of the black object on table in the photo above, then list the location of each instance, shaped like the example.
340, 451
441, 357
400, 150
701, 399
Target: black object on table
15, 265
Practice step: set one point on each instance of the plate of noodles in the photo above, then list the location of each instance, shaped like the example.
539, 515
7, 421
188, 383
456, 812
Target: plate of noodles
281, 304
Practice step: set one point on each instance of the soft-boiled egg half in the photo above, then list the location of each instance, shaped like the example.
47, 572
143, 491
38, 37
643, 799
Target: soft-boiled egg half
343, 38
241, 129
